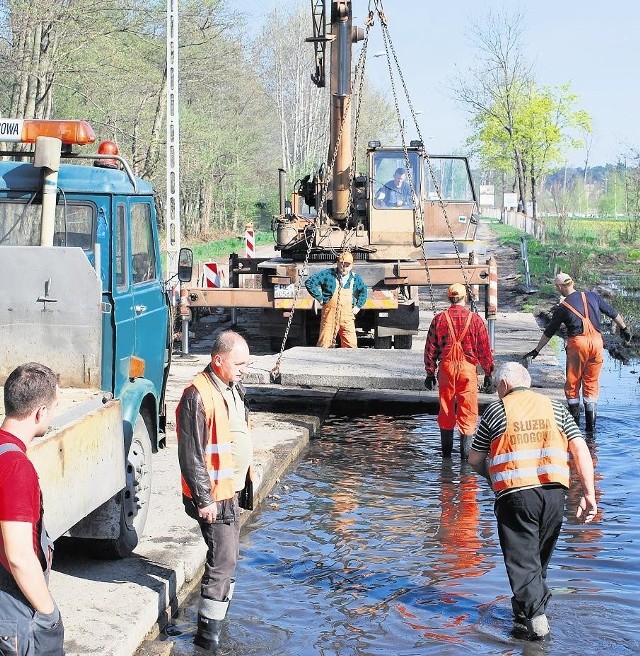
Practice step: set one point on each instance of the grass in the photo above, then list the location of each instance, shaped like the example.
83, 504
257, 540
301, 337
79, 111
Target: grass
221, 248
592, 251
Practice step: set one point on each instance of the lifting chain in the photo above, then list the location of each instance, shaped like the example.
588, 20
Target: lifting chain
391, 53
275, 375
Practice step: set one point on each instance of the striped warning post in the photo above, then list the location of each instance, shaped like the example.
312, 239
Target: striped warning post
492, 305
211, 275
249, 241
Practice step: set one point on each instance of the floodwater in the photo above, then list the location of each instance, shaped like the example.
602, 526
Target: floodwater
375, 545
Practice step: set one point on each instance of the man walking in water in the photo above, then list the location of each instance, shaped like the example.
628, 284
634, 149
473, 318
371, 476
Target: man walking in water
457, 342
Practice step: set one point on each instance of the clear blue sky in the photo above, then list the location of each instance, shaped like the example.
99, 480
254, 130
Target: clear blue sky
593, 45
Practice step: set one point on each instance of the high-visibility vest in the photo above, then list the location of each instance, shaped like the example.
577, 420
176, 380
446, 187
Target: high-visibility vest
532, 451
218, 454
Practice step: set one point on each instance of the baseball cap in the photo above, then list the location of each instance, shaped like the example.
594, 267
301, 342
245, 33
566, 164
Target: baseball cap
563, 279
456, 291
345, 256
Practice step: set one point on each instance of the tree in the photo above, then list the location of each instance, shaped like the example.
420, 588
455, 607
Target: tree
519, 126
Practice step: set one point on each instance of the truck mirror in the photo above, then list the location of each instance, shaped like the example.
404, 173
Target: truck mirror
185, 265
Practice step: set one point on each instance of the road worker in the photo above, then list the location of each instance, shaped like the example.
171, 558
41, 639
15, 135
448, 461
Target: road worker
342, 293
31, 622
580, 313
215, 452
522, 448
457, 342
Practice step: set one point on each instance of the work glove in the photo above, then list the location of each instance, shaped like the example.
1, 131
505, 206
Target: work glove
430, 382
488, 387
625, 333
532, 354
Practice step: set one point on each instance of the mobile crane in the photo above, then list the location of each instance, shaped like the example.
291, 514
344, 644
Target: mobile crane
425, 240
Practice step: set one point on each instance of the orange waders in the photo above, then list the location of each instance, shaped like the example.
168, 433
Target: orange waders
458, 385
584, 359
338, 318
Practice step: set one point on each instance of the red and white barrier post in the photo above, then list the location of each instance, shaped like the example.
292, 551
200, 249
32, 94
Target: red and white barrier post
249, 241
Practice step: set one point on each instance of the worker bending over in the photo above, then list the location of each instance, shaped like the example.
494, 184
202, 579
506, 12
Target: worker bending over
580, 313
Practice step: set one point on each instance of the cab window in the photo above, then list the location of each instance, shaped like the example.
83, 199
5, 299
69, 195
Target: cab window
143, 255
393, 182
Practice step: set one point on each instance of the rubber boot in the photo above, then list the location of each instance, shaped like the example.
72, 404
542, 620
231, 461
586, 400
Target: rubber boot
210, 616
574, 411
590, 418
465, 445
446, 440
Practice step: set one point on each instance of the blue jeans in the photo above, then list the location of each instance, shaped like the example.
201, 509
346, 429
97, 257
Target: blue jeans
529, 523
223, 548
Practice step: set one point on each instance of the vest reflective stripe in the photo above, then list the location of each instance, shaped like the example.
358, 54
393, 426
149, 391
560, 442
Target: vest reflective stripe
530, 452
218, 449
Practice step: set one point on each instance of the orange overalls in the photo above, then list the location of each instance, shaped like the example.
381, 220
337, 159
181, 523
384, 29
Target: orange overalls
584, 359
457, 385
338, 311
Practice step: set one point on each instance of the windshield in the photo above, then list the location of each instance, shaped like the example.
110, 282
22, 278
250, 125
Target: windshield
451, 177
20, 222
392, 186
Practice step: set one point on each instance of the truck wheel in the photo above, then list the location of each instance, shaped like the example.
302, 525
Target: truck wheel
403, 342
132, 503
382, 342
137, 493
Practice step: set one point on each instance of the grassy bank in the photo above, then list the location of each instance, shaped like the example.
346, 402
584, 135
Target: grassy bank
594, 252
221, 248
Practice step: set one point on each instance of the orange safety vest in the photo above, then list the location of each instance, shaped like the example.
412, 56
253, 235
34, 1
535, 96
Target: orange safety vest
532, 451
218, 456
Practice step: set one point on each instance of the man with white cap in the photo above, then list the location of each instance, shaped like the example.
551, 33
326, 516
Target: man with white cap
580, 313
457, 342
342, 293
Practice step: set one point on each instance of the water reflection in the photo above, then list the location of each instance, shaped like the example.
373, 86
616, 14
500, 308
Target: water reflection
375, 545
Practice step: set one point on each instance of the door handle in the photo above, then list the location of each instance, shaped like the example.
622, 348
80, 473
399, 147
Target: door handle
139, 309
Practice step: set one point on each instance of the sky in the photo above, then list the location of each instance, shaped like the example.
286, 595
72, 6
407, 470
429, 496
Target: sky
592, 45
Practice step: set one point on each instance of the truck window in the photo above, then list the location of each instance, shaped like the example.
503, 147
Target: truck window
121, 259
451, 177
391, 186
20, 223
143, 259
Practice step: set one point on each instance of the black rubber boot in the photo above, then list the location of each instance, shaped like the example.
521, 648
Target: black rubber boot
208, 634
446, 440
574, 411
590, 418
465, 445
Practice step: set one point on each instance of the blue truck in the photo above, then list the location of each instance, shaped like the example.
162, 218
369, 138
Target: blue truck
82, 292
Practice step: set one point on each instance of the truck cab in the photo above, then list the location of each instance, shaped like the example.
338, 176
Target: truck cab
82, 289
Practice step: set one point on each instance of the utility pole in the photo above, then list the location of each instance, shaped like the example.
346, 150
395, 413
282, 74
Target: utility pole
173, 142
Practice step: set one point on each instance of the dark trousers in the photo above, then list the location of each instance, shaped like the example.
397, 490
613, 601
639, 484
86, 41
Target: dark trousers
223, 548
22, 629
529, 522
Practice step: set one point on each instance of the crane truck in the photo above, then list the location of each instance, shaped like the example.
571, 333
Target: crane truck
82, 292
397, 246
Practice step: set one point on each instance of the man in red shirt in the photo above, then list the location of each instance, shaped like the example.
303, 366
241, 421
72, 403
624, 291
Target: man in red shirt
457, 342
31, 619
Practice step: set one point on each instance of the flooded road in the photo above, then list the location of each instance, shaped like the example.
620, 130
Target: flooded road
375, 545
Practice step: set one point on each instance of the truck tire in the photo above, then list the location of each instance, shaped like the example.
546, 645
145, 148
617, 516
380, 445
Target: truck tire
382, 342
132, 502
403, 342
